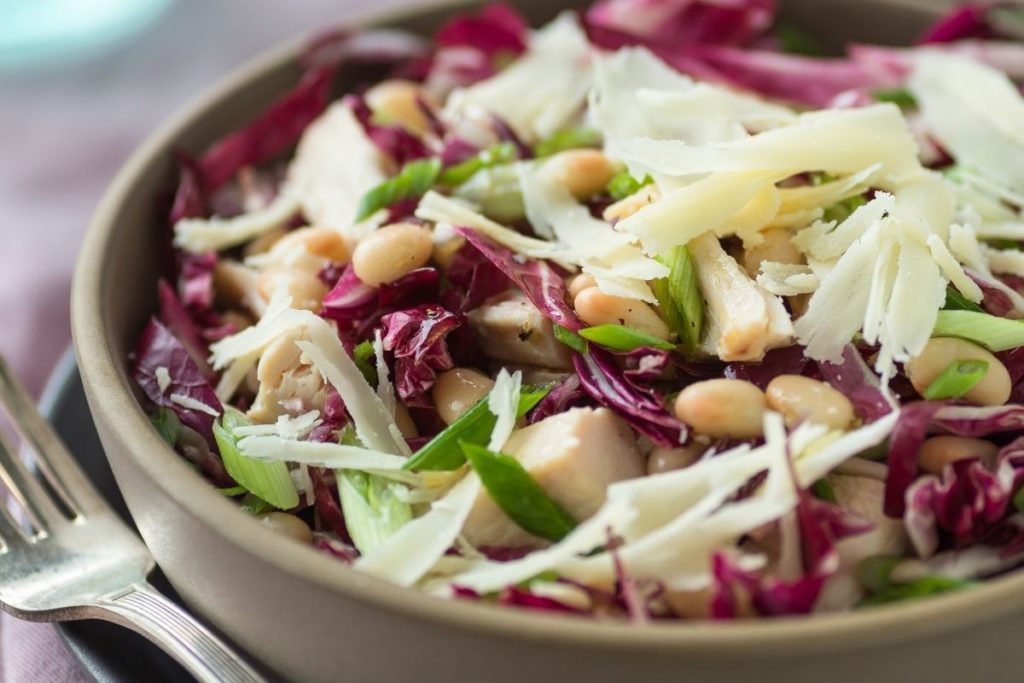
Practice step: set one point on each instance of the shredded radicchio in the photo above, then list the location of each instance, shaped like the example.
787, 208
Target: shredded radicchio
854, 379
159, 349
417, 338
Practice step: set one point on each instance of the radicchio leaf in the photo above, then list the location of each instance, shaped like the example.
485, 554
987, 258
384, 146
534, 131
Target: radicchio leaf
326, 505
966, 21
195, 280
351, 299
496, 29
392, 140
189, 201
639, 405
417, 338
159, 348
855, 380
685, 22
969, 502
541, 284
646, 364
980, 421
473, 278
904, 443
516, 596
180, 323
788, 360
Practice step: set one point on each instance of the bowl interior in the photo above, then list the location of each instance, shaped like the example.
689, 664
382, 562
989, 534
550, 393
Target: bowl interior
125, 251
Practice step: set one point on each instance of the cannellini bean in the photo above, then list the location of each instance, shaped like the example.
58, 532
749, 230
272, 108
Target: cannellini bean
730, 408
626, 207
391, 252
306, 289
317, 241
581, 282
595, 307
585, 172
777, 246
939, 451
663, 459
457, 390
264, 242
802, 399
399, 102
282, 355
287, 525
993, 389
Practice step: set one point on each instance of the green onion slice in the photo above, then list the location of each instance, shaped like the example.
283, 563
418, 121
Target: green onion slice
956, 380
413, 181
570, 339
680, 297
955, 301
622, 338
267, 480
517, 493
501, 153
573, 138
992, 332
623, 185
442, 453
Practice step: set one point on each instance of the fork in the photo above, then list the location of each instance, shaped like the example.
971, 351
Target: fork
79, 560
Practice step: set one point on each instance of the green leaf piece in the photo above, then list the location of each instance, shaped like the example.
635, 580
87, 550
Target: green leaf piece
570, 339
572, 138
518, 495
680, 297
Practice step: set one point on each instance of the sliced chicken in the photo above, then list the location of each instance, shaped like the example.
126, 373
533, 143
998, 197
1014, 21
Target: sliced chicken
288, 383
511, 329
574, 456
335, 165
863, 497
743, 320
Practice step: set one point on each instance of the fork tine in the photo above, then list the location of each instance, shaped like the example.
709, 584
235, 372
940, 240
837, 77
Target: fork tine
52, 456
11, 533
26, 489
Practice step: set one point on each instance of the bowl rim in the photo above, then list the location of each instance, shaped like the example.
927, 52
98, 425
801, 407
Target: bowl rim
93, 336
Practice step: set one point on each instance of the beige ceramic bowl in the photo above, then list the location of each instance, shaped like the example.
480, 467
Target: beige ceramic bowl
309, 618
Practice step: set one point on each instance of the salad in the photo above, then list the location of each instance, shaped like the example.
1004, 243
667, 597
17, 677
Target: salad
652, 312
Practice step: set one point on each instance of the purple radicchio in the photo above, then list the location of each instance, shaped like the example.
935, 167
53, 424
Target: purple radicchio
497, 29
969, 502
855, 380
788, 360
180, 323
685, 22
159, 351
540, 282
980, 421
416, 336
966, 21
392, 140
473, 278
904, 443
566, 395
357, 307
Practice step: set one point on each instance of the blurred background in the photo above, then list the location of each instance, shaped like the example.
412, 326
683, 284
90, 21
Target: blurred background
82, 82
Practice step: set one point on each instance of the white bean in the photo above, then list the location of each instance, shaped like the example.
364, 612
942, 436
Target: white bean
730, 408
939, 451
287, 525
993, 389
585, 172
777, 246
801, 399
457, 390
595, 307
398, 101
390, 252
663, 459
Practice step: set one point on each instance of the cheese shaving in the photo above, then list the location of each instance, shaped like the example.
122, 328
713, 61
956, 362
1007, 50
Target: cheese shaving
163, 379
192, 404
200, 235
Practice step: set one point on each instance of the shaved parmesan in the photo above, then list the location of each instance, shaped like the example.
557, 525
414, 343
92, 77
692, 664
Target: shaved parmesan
672, 523
332, 455
503, 402
163, 379
286, 427
542, 91
784, 279
192, 404
975, 112
200, 235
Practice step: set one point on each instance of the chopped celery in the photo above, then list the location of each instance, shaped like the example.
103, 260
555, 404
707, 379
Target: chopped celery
267, 480
622, 338
372, 508
563, 140
956, 380
517, 494
680, 298
442, 453
413, 181
570, 339
992, 332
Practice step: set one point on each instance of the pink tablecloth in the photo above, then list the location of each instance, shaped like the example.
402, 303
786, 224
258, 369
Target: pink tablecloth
63, 134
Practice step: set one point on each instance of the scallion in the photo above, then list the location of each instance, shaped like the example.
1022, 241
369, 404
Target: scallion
572, 138
920, 588
822, 490
622, 338
570, 339
372, 508
501, 153
442, 453
992, 332
956, 380
269, 481
364, 356
623, 185
413, 181
795, 40
517, 493
901, 97
680, 297
167, 424
955, 301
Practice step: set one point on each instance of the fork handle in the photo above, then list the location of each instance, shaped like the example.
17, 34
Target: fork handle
144, 609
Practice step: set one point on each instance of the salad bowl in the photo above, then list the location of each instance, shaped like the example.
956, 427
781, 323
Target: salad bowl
309, 619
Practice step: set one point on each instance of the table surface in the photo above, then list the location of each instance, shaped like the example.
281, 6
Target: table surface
64, 132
